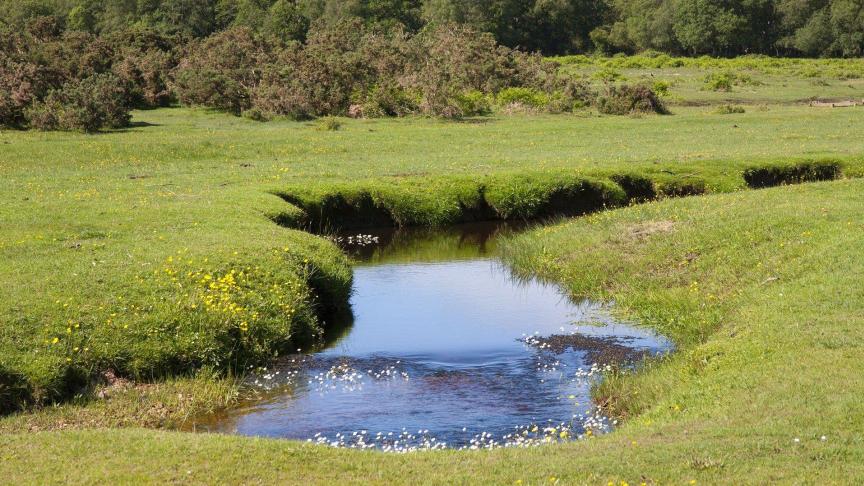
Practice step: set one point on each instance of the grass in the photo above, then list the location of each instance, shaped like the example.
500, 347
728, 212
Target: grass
131, 223
109, 241
774, 308
747, 80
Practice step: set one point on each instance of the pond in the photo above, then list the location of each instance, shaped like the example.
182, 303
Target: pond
446, 349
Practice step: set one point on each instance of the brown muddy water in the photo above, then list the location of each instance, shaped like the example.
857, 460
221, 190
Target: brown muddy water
445, 349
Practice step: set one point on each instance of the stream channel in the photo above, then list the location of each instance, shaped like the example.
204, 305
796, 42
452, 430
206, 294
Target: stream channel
445, 349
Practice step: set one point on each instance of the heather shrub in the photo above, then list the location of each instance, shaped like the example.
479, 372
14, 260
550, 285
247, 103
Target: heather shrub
255, 114
320, 77
330, 67
453, 60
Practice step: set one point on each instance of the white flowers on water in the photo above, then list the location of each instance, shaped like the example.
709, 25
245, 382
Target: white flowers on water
341, 376
355, 240
593, 371
590, 423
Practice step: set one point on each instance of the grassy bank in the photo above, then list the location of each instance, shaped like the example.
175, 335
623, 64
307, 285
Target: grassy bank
758, 288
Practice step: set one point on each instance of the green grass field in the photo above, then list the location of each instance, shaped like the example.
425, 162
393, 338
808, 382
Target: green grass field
777, 362
152, 252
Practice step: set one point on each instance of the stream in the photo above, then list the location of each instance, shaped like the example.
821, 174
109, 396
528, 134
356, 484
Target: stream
445, 350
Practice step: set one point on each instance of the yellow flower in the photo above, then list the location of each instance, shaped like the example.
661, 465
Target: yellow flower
55, 340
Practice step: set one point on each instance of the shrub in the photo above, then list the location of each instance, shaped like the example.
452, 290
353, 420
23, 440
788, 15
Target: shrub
320, 77
628, 99
607, 75
450, 60
661, 88
473, 103
522, 96
96, 102
255, 114
222, 71
387, 100
144, 59
20, 85
718, 81
570, 95
775, 175
328, 124
729, 110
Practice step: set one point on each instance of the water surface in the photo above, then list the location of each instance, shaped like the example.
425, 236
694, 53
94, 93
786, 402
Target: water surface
436, 355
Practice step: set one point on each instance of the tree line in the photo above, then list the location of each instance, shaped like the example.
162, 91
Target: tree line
688, 27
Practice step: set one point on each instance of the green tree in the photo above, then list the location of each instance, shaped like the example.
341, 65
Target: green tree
285, 20
706, 26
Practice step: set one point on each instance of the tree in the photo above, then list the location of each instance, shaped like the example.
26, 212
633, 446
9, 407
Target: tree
706, 26
285, 21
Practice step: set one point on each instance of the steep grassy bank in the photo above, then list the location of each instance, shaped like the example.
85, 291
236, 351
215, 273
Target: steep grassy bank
523, 195
759, 289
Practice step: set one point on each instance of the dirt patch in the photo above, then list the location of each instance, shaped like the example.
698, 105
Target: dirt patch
111, 384
644, 230
600, 350
836, 103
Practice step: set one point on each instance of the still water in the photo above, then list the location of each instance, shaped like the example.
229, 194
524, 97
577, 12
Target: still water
445, 350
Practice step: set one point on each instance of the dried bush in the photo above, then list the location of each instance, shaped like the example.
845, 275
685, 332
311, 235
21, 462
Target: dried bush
453, 60
20, 84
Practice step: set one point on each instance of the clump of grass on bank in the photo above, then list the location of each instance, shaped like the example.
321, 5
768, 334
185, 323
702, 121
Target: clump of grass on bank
730, 110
